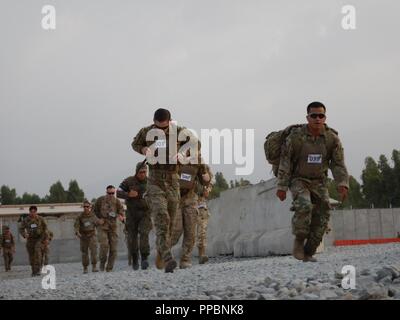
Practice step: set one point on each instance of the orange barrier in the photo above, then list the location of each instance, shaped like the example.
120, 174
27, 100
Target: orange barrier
367, 241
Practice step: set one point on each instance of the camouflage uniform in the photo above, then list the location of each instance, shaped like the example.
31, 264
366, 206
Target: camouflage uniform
36, 229
85, 225
304, 169
7, 243
188, 214
202, 223
108, 208
138, 220
162, 189
46, 248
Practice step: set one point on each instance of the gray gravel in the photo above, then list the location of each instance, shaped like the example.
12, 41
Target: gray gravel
279, 277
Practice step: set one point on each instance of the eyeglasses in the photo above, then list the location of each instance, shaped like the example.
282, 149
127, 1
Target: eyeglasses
110, 193
317, 115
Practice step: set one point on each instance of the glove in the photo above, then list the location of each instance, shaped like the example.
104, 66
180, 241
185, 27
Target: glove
281, 194
343, 191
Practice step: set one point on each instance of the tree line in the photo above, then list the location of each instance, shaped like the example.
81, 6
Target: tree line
57, 194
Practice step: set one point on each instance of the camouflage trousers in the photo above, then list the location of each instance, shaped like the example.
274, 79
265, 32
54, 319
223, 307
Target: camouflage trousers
163, 199
185, 222
138, 226
202, 223
108, 242
45, 251
311, 206
88, 248
34, 248
8, 258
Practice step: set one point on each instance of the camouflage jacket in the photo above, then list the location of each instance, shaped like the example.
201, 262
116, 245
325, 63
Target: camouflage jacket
139, 142
133, 184
35, 227
108, 208
307, 157
7, 241
85, 224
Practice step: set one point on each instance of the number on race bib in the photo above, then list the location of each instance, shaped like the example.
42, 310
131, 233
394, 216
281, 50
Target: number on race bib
314, 158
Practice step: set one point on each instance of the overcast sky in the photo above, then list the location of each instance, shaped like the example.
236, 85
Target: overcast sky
72, 99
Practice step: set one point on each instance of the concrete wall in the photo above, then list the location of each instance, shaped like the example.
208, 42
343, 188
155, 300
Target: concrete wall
250, 221
365, 223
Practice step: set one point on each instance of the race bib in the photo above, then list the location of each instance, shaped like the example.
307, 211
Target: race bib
186, 177
112, 214
87, 224
33, 225
202, 205
314, 158
161, 144
8, 241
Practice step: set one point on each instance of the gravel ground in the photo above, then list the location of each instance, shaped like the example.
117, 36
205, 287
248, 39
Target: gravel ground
278, 277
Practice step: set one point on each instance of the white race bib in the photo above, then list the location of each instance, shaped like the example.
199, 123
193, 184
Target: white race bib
314, 158
202, 205
33, 225
186, 177
8, 241
112, 214
161, 144
87, 224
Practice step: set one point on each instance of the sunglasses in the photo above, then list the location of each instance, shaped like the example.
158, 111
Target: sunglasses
317, 115
86, 206
110, 193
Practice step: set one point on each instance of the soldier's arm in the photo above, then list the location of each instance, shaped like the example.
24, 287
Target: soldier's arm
120, 208
285, 165
96, 208
77, 225
139, 141
21, 229
337, 165
123, 190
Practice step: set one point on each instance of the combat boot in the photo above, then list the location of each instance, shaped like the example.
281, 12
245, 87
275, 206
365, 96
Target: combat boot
184, 264
85, 270
202, 256
170, 265
144, 264
94, 268
159, 261
298, 248
308, 258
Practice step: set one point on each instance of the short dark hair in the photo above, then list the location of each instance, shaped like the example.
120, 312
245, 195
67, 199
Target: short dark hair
315, 104
110, 187
162, 115
32, 208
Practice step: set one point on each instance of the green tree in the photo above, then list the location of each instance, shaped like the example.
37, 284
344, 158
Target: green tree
396, 173
220, 185
388, 188
57, 193
7, 195
74, 193
372, 183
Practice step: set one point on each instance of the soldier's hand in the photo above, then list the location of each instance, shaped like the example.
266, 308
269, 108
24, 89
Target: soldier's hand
343, 191
146, 151
78, 235
121, 217
133, 194
206, 177
206, 193
281, 194
101, 221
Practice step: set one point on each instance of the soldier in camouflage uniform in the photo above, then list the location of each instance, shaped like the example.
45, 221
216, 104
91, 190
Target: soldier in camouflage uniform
46, 248
7, 243
138, 220
85, 229
163, 182
202, 221
186, 220
34, 229
108, 209
305, 158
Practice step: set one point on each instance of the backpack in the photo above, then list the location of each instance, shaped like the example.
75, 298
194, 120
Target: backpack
273, 144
